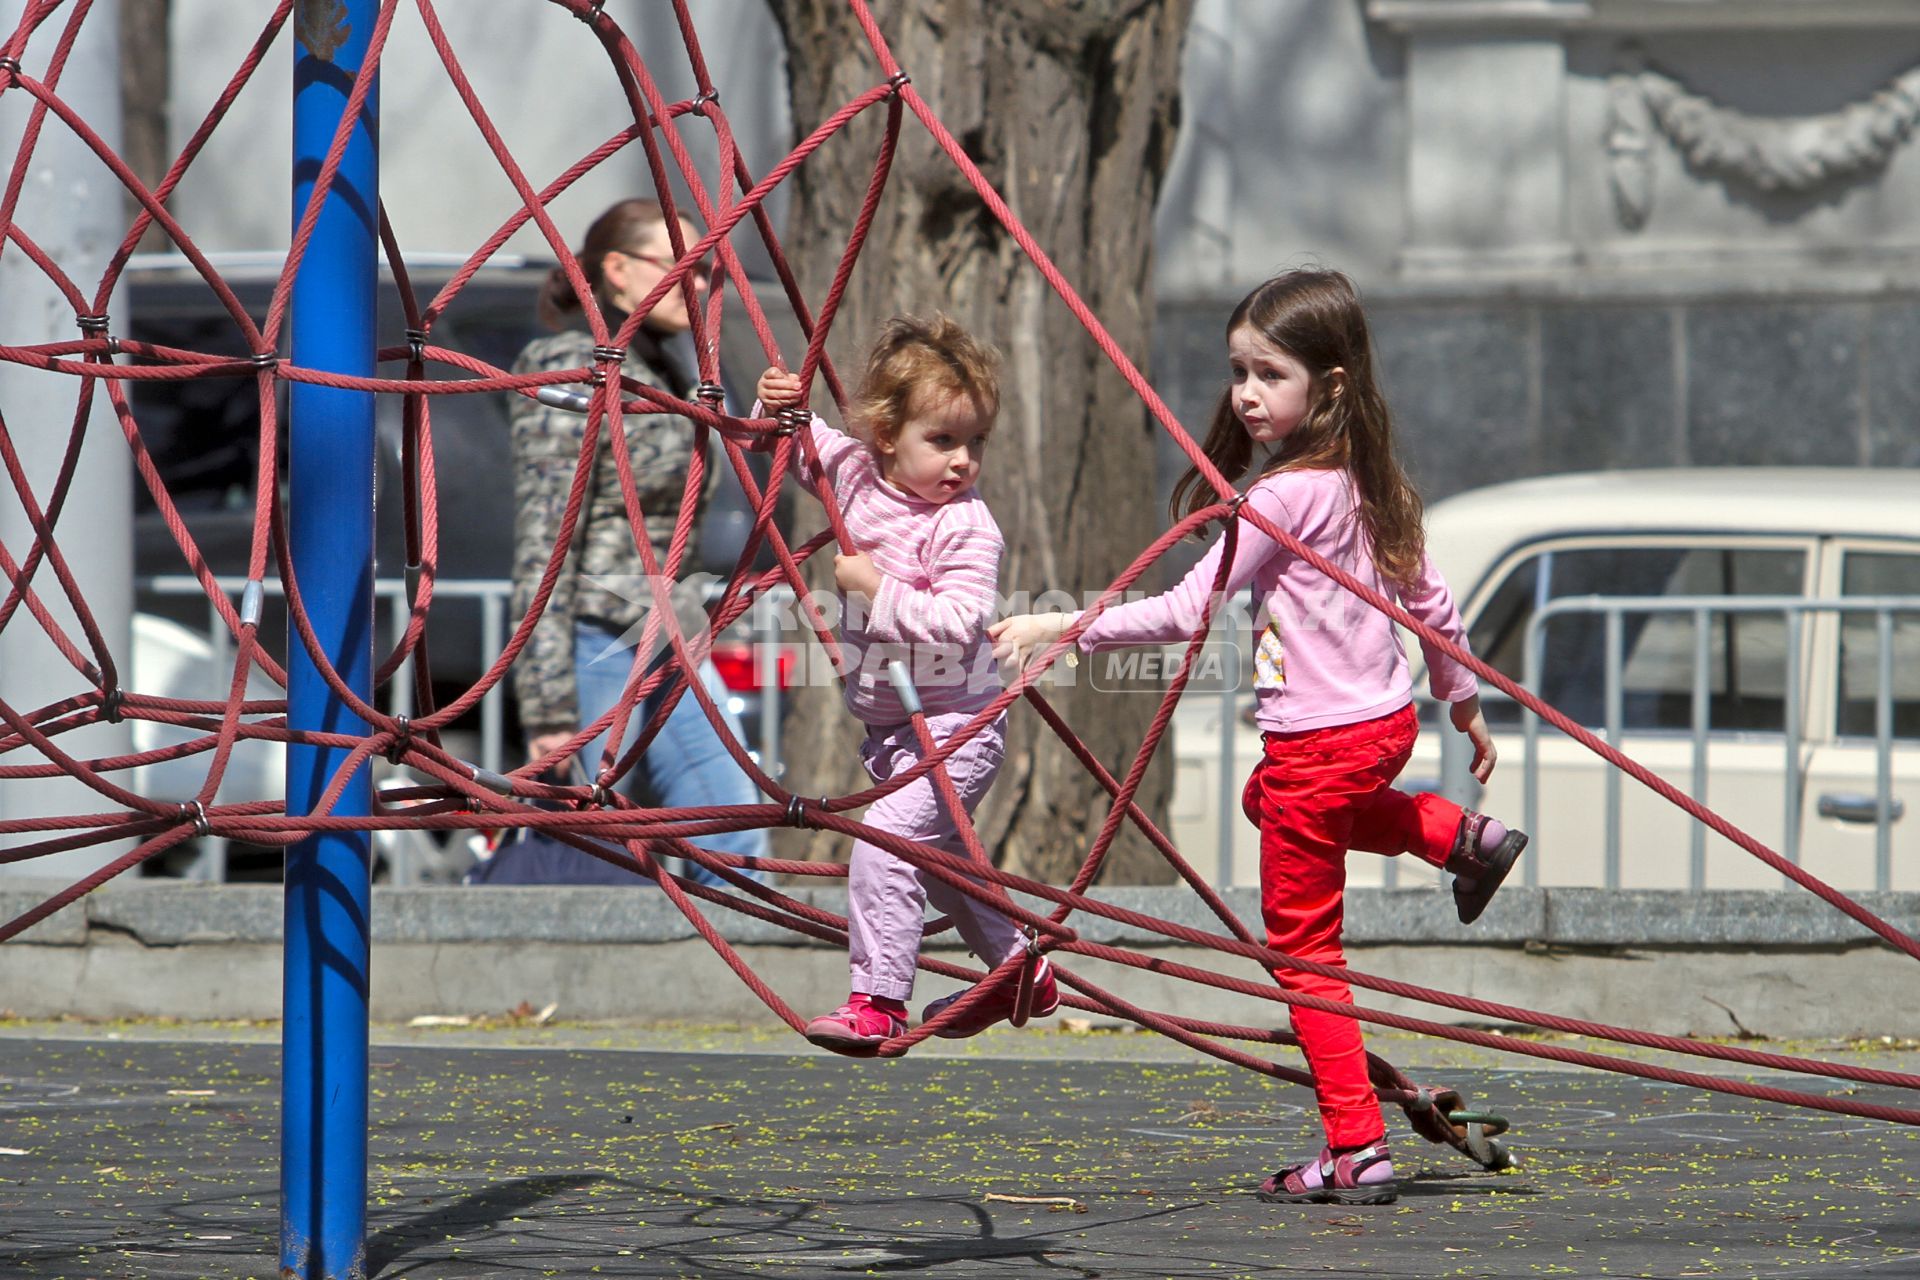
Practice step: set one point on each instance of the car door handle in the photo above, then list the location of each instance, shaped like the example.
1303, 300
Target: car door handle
1852, 806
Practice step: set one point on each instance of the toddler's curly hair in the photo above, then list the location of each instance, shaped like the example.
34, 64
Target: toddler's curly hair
915, 364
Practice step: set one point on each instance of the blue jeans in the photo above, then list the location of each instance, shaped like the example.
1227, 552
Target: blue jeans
685, 766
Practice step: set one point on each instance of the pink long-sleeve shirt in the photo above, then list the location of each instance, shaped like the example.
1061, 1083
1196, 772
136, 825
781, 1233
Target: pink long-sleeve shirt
1323, 657
940, 573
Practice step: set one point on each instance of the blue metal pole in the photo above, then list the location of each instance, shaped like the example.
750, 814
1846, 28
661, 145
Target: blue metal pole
330, 464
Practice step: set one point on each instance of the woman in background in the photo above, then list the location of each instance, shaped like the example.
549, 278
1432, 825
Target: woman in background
580, 654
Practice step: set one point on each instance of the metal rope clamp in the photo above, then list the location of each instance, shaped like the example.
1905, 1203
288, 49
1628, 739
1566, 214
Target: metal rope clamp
605, 356
498, 783
96, 327
1441, 1116
252, 602
402, 740
792, 419
896, 82
1029, 978
197, 812
111, 706
796, 815
417, 345
711, 395
1427, 1112
1482, 1140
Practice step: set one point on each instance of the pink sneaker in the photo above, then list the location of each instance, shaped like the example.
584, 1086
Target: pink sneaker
856, 1028
997, 1007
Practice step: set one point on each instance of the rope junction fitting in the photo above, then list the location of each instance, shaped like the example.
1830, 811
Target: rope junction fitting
561, 398
402, 740
253, 602
196, 812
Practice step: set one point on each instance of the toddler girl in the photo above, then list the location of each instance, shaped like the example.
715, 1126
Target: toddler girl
920, 590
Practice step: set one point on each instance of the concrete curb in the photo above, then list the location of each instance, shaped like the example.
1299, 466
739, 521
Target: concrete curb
178, 914
1718, 963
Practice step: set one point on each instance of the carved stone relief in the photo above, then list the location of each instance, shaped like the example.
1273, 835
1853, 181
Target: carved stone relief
1797, 154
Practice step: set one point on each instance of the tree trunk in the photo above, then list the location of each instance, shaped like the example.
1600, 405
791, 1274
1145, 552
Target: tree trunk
146, 73
1070, 107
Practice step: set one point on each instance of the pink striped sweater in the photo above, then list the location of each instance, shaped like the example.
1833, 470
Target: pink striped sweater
1324, 657
940, 567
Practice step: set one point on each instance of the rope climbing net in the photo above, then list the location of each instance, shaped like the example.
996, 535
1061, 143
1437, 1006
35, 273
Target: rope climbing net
454, 794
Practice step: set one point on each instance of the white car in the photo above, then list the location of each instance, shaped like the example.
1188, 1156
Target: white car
169, 661
1749, 607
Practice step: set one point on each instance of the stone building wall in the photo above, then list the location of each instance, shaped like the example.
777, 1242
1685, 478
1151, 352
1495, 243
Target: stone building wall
1486, 390
1592, 233
1562, 276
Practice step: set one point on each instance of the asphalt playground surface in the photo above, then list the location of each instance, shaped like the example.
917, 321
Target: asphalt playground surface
151, 1151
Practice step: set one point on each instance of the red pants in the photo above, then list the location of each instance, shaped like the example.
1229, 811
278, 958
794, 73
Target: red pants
1315, 796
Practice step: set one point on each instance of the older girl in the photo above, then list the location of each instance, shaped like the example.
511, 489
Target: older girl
1333, 690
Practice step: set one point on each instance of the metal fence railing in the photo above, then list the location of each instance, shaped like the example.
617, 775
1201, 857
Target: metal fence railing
1704, 611
491, 598
1872, 657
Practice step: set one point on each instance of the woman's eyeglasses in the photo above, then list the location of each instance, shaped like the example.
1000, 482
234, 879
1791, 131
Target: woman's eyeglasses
701, 272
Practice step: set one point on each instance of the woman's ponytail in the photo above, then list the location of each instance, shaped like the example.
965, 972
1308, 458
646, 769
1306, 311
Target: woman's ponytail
622, 228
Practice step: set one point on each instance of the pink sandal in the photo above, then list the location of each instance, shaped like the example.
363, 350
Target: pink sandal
1477, 871
1352, 1177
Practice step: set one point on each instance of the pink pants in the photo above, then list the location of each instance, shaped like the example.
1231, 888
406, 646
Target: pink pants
1315, 796
886, 896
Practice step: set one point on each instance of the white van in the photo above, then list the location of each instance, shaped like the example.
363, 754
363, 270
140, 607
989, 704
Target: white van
1750, 634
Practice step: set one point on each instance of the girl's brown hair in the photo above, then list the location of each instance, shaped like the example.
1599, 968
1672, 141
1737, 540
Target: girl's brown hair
622, 228
914, 359
1315, 316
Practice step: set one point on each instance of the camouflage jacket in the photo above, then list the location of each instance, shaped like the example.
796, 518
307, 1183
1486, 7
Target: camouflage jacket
546, 448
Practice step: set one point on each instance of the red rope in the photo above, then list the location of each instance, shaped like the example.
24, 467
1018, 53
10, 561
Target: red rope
615, 829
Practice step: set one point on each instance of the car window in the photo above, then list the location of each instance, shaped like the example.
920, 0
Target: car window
1746, 653
1879, 573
